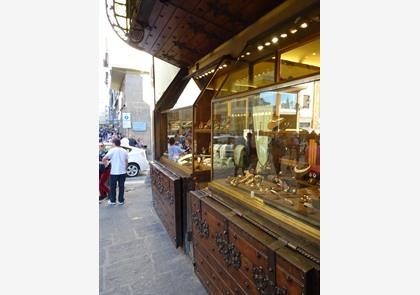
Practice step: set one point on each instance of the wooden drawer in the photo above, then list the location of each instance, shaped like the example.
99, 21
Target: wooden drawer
221, 270
246, 258
166, 192
210, 274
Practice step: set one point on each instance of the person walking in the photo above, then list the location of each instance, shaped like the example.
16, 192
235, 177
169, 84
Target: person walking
104, 170
118, 157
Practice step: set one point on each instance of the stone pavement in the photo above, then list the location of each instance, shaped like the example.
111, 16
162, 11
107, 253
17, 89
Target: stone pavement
136, 255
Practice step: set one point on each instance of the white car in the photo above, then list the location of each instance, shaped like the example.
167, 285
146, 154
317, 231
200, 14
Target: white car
137, 160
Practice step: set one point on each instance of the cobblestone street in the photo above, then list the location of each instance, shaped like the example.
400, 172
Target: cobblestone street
136, 255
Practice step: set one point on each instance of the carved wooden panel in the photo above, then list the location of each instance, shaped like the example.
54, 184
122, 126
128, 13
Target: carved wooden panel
232, 255
181, 32
166, 192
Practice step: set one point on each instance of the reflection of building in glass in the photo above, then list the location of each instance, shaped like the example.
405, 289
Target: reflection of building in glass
288, 101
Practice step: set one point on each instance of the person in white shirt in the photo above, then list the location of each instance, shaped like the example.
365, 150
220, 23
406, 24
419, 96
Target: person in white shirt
118, 157
125, 141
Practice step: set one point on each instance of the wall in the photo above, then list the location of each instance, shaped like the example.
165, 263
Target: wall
139, 109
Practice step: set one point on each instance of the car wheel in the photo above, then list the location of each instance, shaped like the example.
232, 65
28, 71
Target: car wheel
132, 170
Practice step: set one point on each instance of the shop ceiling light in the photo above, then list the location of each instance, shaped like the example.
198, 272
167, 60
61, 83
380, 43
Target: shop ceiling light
304, 25
260, 47
242, 55
267, 44
248, 53
225, 65
275, 39
273, 57
283, 35
293, 31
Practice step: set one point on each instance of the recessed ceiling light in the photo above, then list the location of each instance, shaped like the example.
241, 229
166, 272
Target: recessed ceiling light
313, 53
225, 65
242, 55
273, 57
267, 44
293, 31
304, 25
275, 39
248, 53
212, 71
260, 47
283, 35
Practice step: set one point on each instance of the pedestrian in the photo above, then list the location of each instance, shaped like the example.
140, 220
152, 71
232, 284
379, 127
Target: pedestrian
132, 141
104, 170
118, 158
174, 151
124, 141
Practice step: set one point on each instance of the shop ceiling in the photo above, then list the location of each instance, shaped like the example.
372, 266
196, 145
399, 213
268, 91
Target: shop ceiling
183, 31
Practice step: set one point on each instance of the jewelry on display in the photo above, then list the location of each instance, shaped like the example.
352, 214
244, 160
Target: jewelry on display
289, 201
308, 205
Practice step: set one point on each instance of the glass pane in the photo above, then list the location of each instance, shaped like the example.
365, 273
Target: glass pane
164, 75
188, 95
301, 61
179, 124
269, 144
263, 72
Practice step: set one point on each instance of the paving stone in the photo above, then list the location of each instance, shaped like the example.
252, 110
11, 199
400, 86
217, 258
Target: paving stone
125, 290
124, 236
101, 256
130, 249
152, 229
126, 272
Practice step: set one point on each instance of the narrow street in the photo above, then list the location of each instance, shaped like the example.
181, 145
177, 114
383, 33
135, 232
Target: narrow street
136, 255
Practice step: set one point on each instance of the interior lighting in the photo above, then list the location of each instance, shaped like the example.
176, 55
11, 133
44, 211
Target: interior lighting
260, 47
248, 53
273, 57
275, 39
304, 25
267, 44
225, 65
220, 67
283, 35
242, 55
313, 53
293, 31
212, 71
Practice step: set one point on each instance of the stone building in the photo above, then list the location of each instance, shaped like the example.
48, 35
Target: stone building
128, 97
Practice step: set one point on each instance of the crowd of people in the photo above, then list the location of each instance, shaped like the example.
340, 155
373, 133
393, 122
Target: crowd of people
107, 134
179, 145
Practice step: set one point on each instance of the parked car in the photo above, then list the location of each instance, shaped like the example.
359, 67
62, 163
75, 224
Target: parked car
137, 160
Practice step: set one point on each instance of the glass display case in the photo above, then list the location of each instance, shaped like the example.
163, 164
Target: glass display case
266, 147
179, 132
189, 122
266, 126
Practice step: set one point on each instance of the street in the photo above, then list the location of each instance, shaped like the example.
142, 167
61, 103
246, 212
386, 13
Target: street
136, 255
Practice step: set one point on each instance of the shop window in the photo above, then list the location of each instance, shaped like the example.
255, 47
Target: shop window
300, 61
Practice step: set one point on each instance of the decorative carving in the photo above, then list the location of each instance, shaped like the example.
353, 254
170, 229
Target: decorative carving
264, 284
230, 254
201, 225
